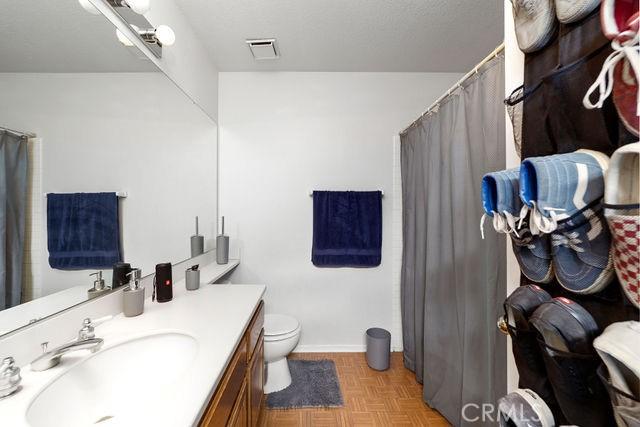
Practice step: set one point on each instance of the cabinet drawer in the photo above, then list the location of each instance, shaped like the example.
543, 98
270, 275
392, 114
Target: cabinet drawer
227, 393
255, 330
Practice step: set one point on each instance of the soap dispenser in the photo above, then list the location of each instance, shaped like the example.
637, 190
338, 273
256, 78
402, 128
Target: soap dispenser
99, 287
133, 295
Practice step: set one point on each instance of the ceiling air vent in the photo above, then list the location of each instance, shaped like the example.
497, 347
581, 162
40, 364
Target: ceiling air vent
262, 49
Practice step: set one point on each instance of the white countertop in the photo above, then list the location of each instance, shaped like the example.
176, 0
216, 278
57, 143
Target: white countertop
215, 315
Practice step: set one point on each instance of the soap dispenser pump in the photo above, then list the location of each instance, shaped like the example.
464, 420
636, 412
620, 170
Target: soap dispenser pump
133, 295
99, 287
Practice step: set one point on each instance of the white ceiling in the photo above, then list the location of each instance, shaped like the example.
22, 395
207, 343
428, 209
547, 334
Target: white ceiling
54, 36
349, 35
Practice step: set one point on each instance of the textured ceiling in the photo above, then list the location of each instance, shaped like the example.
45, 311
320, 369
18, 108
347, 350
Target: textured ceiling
59, 36
349, 35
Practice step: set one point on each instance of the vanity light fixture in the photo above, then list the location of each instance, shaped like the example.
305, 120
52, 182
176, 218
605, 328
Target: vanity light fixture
138, 6
162, 35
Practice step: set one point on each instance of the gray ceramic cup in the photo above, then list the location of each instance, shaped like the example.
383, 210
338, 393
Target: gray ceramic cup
192, 279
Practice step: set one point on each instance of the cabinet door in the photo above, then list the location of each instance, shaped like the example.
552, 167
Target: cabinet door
256, 383
223, 402
255, 330
240, 415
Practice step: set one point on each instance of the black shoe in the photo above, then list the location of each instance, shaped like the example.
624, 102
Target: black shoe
518, 307
566, 333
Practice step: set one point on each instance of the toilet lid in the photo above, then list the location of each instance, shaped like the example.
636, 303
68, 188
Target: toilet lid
278, 324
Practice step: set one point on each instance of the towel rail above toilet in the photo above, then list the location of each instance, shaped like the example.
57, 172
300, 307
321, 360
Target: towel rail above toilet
381, 191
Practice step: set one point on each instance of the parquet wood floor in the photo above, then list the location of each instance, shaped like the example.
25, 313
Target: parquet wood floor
371, 398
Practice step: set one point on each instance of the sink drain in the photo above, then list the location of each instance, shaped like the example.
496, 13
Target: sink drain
105, 418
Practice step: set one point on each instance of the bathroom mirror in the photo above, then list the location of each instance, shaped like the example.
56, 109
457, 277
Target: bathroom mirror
97, 117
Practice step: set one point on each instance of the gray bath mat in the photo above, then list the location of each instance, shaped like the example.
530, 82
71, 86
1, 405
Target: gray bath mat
314, 383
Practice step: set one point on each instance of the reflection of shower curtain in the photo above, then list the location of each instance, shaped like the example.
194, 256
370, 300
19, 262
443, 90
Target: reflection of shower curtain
13, 194
453, 283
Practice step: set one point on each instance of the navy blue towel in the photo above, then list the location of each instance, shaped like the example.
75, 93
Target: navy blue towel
83, 230
347, 228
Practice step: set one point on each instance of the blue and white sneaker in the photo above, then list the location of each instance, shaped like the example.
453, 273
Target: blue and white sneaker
564, 193
501, 202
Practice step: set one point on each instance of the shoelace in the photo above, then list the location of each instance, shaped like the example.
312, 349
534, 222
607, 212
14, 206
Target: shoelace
630, 49
542, 224
527, 5
505, 222
569, 240
499, 223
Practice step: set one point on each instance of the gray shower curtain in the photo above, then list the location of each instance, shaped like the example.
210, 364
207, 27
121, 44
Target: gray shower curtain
453, 282
13, 194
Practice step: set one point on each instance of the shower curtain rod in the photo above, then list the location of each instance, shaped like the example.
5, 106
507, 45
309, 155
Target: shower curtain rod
458, 84
18, 133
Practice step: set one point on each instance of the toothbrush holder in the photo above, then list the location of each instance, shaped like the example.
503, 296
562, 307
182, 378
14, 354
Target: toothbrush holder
192, 279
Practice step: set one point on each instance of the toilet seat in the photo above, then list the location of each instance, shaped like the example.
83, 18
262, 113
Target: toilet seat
279, 327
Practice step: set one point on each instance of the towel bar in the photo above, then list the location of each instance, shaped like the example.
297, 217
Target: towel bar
382, 191
120, 194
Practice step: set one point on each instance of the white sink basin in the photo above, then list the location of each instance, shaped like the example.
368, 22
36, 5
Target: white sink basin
107, 387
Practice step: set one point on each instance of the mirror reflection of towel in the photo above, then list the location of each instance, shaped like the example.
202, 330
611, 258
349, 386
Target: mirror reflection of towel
83, 230
347, 228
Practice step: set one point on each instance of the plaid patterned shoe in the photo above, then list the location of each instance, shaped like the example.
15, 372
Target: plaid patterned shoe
622, 210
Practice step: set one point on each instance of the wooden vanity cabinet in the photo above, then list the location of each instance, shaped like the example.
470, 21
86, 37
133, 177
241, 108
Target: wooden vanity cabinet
239, 398
256, 383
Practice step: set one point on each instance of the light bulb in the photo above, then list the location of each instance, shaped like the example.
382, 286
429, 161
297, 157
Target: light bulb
139, 6
165, 35
89, 7
122, 38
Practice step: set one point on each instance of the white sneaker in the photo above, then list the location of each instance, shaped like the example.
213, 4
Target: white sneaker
535, 23
574, 10
524, 408
619, 349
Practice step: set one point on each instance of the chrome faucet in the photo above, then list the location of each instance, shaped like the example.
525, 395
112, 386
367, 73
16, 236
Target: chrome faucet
9, 377
86, 341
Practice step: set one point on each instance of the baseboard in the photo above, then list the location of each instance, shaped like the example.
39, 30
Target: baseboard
330, 349
310, 348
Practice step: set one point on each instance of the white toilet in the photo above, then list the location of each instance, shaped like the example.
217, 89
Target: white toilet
281, 335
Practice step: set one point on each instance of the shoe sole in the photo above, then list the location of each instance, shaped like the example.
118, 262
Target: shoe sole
541, 408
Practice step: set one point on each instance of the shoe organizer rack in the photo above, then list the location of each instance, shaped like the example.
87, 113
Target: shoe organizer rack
573, 44
579, 45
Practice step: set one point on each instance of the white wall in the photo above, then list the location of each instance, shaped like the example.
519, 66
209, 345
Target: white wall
117, 131
284, 134
513, 77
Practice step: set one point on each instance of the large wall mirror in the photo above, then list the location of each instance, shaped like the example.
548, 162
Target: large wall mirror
82, 113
